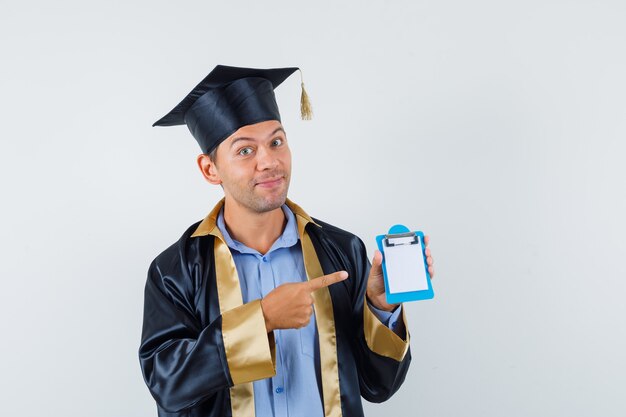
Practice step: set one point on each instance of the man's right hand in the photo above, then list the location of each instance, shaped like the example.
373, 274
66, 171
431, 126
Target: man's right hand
289, 306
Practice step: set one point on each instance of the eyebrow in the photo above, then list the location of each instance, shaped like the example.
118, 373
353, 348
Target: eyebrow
278, 129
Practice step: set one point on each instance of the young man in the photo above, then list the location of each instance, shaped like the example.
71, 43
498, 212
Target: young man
261, 309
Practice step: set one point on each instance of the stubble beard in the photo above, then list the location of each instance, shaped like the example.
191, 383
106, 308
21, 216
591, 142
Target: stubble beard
263, 204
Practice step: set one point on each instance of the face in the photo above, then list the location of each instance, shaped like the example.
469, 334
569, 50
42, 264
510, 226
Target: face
254, 166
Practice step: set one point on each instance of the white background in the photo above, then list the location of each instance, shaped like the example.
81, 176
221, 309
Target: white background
497, 127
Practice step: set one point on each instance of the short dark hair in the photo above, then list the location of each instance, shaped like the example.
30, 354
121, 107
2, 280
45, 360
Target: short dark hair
212, 157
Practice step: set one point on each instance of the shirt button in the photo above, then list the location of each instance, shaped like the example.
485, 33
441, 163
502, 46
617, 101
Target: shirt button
264, 259
394, 324
279, 390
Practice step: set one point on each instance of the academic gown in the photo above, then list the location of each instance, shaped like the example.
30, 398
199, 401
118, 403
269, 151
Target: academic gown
201, 347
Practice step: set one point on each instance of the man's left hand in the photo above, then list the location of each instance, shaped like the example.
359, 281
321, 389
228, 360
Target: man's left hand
376, 282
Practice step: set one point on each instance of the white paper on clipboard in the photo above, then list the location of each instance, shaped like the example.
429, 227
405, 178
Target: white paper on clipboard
405, 267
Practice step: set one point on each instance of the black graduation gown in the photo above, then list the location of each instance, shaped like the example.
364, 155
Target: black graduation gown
201, 346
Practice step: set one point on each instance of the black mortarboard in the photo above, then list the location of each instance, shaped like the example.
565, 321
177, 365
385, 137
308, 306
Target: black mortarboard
227, 99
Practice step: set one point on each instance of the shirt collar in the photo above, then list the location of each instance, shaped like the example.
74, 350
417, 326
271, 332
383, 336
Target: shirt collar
288, 238
208, 226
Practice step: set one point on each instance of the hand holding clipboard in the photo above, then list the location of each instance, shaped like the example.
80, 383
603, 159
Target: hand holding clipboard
412, 268
407, 265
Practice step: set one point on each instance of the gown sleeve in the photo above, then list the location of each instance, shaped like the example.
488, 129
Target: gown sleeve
384, 356
183, 362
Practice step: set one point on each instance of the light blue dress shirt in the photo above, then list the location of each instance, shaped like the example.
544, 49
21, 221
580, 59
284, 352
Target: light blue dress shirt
290, 392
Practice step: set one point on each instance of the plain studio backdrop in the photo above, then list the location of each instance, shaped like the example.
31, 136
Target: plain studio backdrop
496, 127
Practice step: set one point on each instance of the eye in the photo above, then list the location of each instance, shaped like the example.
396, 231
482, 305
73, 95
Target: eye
277, 142
245, 151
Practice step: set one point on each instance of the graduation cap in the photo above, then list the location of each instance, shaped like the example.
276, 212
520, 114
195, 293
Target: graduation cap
229, 98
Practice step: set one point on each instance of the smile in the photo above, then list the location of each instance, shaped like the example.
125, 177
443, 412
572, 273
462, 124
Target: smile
270, 183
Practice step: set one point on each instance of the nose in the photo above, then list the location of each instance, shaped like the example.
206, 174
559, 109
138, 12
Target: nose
266, 159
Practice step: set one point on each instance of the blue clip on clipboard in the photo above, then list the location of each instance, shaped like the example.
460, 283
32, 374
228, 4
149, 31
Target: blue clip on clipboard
404, 265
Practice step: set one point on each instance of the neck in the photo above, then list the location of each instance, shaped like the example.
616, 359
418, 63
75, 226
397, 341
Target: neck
258, 231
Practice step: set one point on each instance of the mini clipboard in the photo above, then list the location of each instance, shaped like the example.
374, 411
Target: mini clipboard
404, 265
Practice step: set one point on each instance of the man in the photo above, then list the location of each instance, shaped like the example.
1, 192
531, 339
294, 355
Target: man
261, 309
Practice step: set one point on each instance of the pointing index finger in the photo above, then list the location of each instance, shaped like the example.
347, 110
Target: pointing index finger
327, 280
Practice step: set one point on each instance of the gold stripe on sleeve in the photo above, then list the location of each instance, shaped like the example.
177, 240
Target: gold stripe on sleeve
381, 339
247, 345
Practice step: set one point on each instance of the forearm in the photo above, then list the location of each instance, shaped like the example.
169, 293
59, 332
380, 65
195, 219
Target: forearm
183, 365
183, 372
391, 319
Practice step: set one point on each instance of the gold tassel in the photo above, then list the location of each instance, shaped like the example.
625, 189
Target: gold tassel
306, 110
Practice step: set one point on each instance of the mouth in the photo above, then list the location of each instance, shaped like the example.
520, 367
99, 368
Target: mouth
270, 182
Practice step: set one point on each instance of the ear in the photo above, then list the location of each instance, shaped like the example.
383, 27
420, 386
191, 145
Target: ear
208, 169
